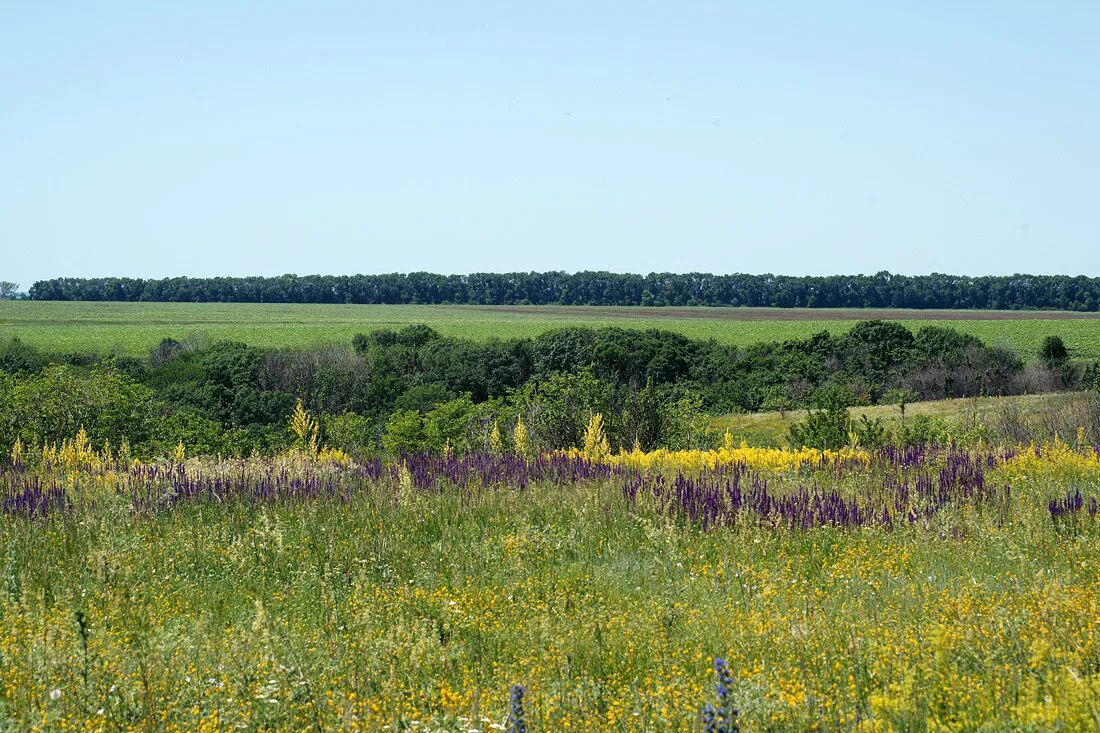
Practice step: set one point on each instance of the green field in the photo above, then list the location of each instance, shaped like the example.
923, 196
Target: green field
134, 328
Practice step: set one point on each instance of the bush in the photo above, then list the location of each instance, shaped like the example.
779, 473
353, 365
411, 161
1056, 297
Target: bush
199, 435
17, 357
558, 407
413, 336
1091, 378
448, 426
924, 430
1054, 352
424, 397
350, 432
405, 433
868, 433
54, 405
827, 428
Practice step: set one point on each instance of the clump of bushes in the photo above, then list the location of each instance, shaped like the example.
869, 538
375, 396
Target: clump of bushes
414, 389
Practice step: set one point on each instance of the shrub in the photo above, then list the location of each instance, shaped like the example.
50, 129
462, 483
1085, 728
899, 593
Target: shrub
198, 434
405, 432
17, 357
827, 428
424, 397
1091, 378
868, 433
1054, 352
446, 427
54, 405
350, 432
923, 430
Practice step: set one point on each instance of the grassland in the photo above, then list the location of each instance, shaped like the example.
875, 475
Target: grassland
971, 414
391, 608
134, 328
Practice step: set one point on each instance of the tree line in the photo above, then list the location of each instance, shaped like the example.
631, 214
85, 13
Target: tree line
414, 390
881, 290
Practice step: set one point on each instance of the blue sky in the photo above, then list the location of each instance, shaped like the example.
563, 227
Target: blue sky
204, 138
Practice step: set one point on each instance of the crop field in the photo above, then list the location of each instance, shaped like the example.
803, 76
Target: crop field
918, 589
134, 328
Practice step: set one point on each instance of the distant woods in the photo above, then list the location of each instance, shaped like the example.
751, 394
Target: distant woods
882, 290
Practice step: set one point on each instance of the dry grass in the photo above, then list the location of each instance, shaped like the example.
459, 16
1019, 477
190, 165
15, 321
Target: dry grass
1034, 411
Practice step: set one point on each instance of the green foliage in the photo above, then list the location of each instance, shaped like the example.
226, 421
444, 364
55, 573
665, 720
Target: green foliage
876, 352
405, 433
223, 382
484, 370
924, 430
423, 397
650, 385
558, 407
902, 397
351, 432
661, 416
881, 290
941, 345
54, 404
1091, 377
413, 336
777, 399
17, 357
448, 426
199, 435
1054, 352
869, 433
827, 428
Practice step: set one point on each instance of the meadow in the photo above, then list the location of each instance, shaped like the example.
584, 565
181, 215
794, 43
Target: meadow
947, 580
135, 328
1046, 414
900, 590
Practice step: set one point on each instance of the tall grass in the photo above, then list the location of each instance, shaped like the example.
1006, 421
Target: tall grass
398, 605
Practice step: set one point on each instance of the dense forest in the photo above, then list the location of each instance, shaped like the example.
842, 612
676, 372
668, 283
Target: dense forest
414, 390
882, 290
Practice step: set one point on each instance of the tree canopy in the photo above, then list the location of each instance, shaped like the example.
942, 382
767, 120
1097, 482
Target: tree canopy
882, 290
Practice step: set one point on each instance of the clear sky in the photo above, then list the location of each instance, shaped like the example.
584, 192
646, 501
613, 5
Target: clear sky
202, 138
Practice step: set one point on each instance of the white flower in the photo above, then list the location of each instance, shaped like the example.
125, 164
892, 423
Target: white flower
55, 694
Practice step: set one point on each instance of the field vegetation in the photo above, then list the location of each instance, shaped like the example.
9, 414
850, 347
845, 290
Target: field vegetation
413, 389
1018, 418
133, 329
924, 588
414, 531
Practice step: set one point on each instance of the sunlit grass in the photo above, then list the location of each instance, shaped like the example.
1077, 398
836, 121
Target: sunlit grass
772, 428
393, 608
135, 328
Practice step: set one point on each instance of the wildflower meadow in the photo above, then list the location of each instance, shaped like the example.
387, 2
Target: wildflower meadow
923, 588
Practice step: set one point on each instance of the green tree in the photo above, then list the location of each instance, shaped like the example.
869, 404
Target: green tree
1054, 352
55, 404
405, 432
